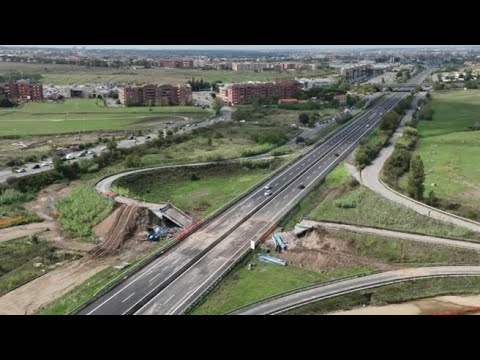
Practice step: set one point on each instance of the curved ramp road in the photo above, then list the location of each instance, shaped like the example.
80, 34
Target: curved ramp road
280, 304
162, 273
175, 281
394, 234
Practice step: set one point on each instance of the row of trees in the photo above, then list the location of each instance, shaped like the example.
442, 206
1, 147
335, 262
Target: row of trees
17, 75
200, 85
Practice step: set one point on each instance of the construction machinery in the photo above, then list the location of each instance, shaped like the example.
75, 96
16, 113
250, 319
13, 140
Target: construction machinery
154, 234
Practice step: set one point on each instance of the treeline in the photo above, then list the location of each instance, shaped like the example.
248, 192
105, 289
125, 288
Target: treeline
370, 147
17, 75
200, 85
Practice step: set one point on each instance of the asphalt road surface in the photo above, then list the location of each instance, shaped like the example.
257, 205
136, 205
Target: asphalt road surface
280, 304
181, 275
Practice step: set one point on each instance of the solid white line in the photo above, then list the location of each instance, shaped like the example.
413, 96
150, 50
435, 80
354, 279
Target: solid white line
129, 296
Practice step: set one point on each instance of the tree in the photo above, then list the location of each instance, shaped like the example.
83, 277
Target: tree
416, 178
6, 103
217, 105
299, 140
112, 144
213, 95
303, 119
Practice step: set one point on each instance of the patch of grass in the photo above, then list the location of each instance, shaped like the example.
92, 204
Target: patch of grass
81, 209
374, 210
216, 185
17, 259
243, 286
15, 214
86, 114
396, 251
394, 293
333, 180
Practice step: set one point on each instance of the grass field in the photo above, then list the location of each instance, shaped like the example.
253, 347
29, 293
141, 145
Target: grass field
17, 259
85, 114
450, 151
71, 74
412, 253
243, 286
215, 186
418, 289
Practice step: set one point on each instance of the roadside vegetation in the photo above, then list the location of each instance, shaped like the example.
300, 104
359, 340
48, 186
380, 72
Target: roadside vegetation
81, 209
370, 146
406, 252
443, 133
341, 198
243, 286
197, 190
395, 293
25, 259
12, 211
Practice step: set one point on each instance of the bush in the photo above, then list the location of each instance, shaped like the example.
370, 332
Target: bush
10, 196
194, 177
35, 182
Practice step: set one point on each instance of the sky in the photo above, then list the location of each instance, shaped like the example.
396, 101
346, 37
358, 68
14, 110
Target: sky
238, 47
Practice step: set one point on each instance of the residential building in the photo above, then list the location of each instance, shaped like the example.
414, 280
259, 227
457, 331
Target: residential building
311, 83
342, 99
248, 66
151, 95
354, 73
242, 93
23, 90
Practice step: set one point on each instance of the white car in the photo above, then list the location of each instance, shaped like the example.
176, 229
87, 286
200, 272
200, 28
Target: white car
22, 170
45, 164
267, 193
268, 187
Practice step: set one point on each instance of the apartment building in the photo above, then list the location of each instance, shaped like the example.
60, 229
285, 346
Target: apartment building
176, 63
356, 73
247, 66
243, 93
22, 90
150, 95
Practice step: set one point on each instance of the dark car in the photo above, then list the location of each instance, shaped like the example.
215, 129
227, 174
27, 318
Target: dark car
148, 137
337, 154
301, 186
36, 166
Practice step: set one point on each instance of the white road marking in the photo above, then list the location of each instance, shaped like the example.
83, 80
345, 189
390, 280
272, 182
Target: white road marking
128, 297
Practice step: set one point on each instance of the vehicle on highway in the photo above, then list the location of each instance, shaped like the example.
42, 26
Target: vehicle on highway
22, 170
268, 187
148, 137
337, 154
267, 193
301, 186
90, 152
368, 125
45, 164
36, 166
83, 153
70, 157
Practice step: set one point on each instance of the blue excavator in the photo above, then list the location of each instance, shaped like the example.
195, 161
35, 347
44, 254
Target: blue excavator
154, 234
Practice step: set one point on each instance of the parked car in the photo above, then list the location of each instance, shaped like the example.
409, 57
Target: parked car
90, 152
45, 164
83, 153
22, 170
36, 166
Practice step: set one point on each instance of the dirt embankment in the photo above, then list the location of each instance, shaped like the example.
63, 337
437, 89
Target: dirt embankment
127, 222
319, 250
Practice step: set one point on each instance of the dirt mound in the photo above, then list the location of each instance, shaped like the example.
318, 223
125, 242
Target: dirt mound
118, 227
319, 250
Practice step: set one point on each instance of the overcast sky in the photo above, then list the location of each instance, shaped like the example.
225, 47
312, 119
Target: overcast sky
237, 47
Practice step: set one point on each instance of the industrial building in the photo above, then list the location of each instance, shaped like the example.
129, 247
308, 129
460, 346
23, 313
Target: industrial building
354, 73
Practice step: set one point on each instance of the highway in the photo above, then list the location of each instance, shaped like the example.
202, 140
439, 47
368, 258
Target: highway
173, 282
294, 299
133, 293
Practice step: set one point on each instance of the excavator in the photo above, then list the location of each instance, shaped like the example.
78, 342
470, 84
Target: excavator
154, 234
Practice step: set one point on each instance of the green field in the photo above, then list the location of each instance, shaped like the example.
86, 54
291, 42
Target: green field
243, 286
71, 74
18, 257
201, 189
449, 150
86, 114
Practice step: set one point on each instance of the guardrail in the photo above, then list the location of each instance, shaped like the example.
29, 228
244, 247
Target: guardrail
300, 289
428, 206
361, 288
